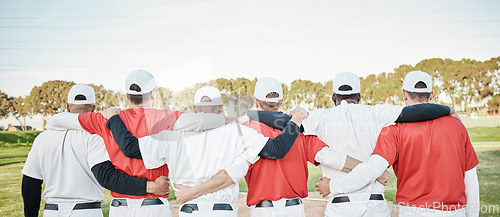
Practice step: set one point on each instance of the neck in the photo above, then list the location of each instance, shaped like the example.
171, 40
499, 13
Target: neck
409, 103
140, 106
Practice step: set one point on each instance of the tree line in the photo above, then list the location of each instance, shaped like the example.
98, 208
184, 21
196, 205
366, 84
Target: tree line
467, 85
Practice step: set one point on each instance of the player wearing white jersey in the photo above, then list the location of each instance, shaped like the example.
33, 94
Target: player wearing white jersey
73, 164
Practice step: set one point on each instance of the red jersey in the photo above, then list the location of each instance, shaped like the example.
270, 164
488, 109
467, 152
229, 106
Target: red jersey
429, 159
140, 122
270, 179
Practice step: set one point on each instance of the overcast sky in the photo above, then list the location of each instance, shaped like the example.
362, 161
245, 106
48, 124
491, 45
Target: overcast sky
184, 42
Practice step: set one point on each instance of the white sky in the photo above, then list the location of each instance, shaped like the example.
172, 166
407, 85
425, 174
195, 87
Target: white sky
183, 42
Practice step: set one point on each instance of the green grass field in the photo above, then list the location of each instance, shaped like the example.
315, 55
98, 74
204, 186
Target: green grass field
14, 148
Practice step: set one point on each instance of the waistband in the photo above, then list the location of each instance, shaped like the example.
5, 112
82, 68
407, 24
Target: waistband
357, 198
119, 202
78, 206
279, 203
193, 207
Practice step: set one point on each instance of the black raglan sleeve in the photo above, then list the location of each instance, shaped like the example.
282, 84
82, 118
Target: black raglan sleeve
119, 182
274, 119
128, 143
31, 190
422, 112
278, 147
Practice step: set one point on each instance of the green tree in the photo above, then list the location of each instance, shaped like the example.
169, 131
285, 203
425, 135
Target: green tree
4, 105
20, 110
494, 103
164, 97
49, 98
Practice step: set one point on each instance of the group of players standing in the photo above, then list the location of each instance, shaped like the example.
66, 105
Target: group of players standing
128, 153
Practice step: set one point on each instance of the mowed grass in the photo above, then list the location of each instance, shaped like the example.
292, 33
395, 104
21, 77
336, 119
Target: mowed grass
14, 146
485, 140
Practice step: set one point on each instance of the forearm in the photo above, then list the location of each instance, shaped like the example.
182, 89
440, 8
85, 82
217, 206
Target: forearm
422, 112
472, 193
199, 121
331, 158
360, 176
64, 121
278, 147
116, 181
274, 119
31, 190
219, 181
127, 142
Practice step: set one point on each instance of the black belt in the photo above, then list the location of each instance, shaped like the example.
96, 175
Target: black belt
344, 199
145, 202
189, 208
92, 205
289, 202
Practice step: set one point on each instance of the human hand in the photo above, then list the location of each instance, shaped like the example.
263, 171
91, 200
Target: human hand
161, 186
323, 187
231, 119
384, 178
298, 114
184, 193
454, 114
244, 119
109, 112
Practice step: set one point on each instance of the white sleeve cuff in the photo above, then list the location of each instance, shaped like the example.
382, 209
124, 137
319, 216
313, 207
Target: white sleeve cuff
330, 158
238, 169
199, 121
360, 176
472, 193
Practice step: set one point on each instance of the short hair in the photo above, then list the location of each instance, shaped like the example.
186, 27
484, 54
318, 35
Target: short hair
270, 106
80, 97
418, 96
353, 96
345, 87
207, 109
137, 99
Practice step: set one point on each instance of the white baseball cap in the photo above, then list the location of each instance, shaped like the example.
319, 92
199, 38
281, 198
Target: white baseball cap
412, 78
346, 78
141, 78
265, 86
84, 90
210, 92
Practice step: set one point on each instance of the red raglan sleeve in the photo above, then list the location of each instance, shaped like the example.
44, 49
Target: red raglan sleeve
471, 160
313, 146
387, 144
158, 120
92, 122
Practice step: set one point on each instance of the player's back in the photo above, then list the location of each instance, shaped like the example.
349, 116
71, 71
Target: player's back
140, 122
195, 157
351, 129
438, 150
289, 174
65, 166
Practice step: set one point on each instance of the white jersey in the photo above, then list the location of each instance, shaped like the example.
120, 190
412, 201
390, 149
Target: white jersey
63, 160
194, 157
351, 129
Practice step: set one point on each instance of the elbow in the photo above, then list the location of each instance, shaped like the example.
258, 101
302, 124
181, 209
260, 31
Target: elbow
280, 156
276, 156
128, 153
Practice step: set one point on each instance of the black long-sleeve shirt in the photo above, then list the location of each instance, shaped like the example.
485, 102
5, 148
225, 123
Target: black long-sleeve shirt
276, 148
105, 173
